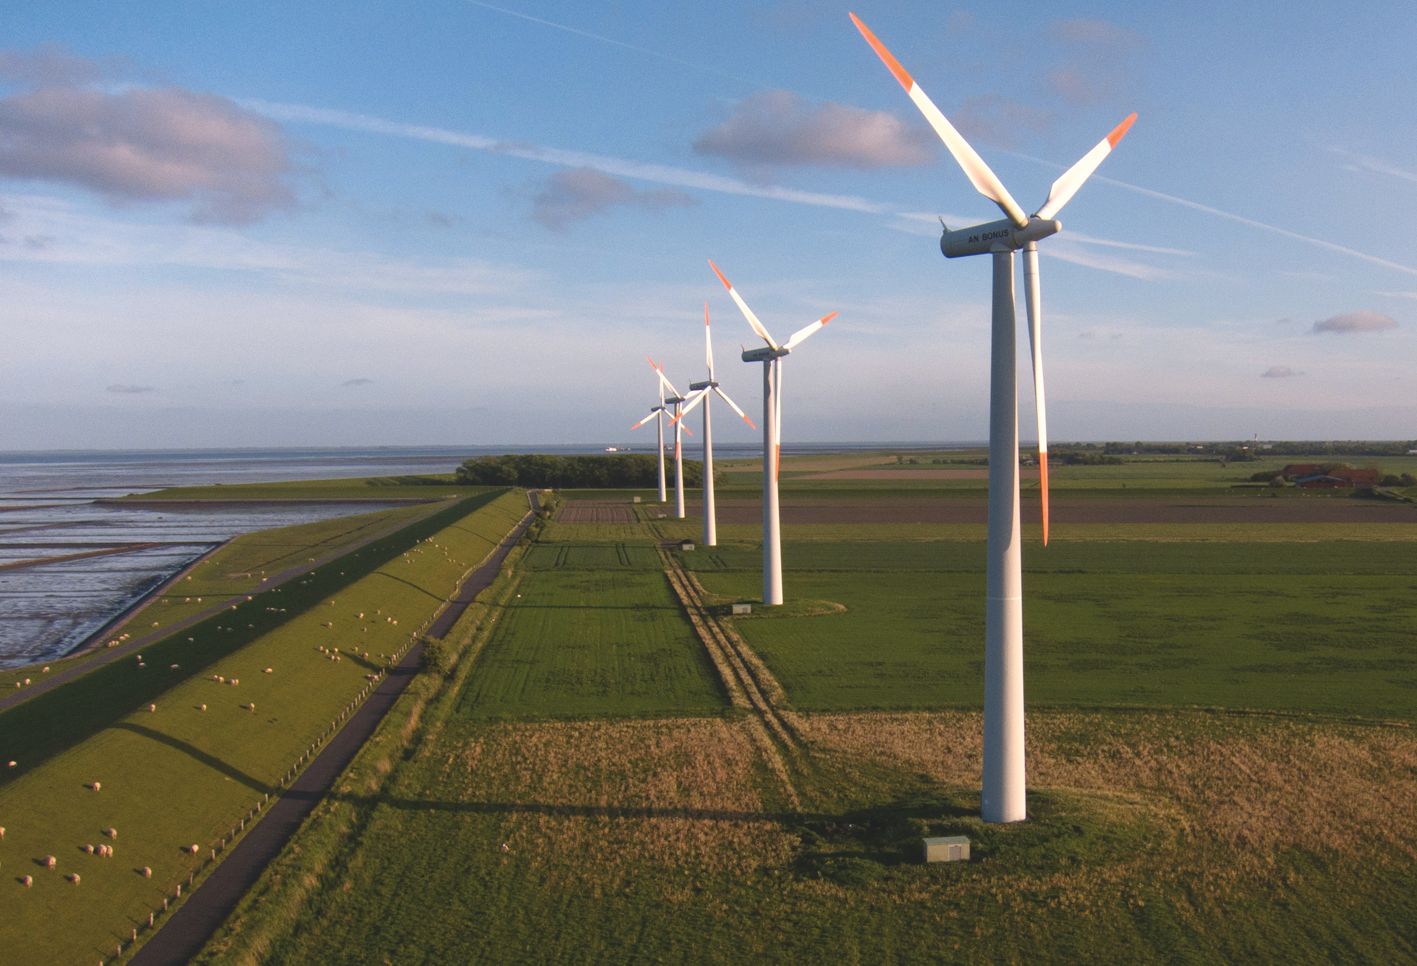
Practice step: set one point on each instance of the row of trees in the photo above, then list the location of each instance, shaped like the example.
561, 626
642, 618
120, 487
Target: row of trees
1250, 449
623, 470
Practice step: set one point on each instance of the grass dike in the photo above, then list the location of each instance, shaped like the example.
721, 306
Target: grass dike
189, 762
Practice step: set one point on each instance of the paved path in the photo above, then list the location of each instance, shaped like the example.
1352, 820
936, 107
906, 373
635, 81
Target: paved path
206, 908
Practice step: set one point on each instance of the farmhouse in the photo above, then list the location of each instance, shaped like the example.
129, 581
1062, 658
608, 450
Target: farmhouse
1330, 475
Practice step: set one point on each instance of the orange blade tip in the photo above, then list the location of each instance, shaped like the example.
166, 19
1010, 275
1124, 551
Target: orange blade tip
1121, 130
886, 56
829, 316
719, 274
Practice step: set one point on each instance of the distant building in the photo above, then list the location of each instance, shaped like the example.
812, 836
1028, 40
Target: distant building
1331, 476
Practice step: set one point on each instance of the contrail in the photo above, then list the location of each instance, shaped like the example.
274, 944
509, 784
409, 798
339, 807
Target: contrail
613, 42
1228, 216
639, 170
665, 175
1262, 226
1369, 163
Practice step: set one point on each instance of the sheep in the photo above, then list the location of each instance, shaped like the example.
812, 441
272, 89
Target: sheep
27, 881
173, 667
111, 832
269, 671
201, 707
147, 872
152, 707
50, 862
2, 831
234, 682
88, 849
74, 877
96, 786
27, 682
141, 665
194, 848
251, 706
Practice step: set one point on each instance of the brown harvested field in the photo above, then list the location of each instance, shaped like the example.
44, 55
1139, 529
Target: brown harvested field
1196, 510
594, 511
1258, 786
591, 804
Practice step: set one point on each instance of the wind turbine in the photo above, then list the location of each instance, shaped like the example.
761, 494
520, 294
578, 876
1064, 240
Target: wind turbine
771, 358
1002, 797
677, 400
657, 414
699, 392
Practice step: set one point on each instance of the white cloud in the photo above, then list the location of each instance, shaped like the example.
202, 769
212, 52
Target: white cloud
140, 144
1360, 321
780, 128
581, 193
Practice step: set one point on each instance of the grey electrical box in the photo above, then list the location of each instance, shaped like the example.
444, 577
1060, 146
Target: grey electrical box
739, 609
947, 848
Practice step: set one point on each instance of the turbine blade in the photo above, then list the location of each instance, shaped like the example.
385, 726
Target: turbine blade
1072, 179
743, 307
1034, 303
695, 397
652, 414
984, 180
734, 406
708, 343
802, 334
664, 382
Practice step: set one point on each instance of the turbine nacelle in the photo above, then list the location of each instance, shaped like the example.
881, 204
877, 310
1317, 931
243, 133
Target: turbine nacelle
764, 353
996, 236
698, 386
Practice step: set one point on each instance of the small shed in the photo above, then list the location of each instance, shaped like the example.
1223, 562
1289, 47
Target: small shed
947, 848
637, 499
686, 545
741, 609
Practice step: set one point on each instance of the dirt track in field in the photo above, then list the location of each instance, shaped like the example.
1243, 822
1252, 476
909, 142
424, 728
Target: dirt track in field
1198, 511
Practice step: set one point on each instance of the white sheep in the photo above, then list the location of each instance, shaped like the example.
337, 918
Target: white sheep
194, 848
50, 862
88, 849
147, 872
74, 877
201, 707
27, 881
97, 786
111, 832
269, 671
2, 831
234, 682
152, 707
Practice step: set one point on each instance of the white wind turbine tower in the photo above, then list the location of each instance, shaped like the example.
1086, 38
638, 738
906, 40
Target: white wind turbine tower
1002, 797
657, 414
771, 358
699, 392
677, 400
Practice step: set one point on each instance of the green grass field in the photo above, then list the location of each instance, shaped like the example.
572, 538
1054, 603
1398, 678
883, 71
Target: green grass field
558, 811
188, 771
594, 630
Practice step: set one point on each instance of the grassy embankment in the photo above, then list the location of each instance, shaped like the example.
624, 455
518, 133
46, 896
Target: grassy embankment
1155, 834
188, 771
237, 568
380, 488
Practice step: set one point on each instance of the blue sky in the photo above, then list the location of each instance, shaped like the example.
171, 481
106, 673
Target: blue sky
454, 222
